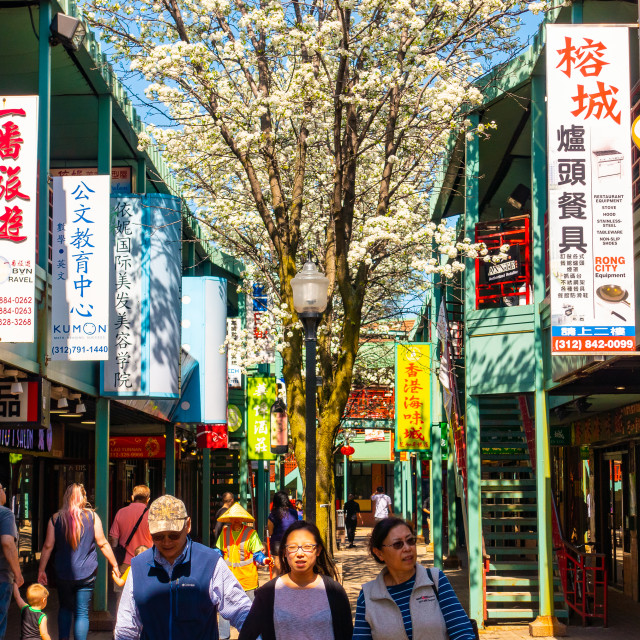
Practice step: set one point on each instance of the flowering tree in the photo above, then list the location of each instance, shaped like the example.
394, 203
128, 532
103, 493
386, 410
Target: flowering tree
316, 127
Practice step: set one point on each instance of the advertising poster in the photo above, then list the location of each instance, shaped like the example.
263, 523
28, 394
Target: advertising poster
18, 201
79, 306
413, 392
261, 394
590, 201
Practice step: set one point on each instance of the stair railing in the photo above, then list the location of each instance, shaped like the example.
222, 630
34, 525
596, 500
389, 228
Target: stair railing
583, 575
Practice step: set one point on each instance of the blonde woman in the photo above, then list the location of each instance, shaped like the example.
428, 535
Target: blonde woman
75, 531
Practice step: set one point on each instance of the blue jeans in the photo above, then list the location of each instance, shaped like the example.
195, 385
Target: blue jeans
224, 626
75, 598
6, 591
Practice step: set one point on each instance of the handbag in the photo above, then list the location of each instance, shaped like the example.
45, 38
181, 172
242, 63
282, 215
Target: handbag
474, 624
120, 551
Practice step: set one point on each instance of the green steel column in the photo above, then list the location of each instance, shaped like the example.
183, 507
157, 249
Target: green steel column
452, 533
397, 484
141, 176
419, 514
243, 473
430, 541
576, 12
262, 499
44, 146
476, 592
102, 494
543, 465
345, 479
206, 497
170, 459
436, 418
408, 491
104, 134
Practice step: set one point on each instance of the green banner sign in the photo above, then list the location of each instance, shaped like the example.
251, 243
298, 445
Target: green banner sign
261, 394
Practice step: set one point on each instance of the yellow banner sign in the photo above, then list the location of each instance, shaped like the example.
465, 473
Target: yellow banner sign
413, 397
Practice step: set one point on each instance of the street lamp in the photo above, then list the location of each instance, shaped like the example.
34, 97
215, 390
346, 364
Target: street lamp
310, 296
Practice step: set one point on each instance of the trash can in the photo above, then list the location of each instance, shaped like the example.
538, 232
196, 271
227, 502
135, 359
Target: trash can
340, 518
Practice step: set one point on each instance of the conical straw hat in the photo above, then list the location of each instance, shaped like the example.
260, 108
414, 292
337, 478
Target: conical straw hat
236, 512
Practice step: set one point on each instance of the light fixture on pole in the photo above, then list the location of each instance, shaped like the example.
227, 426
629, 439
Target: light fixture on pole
80, 408
310, 296
63, 403
67, 31
16, 388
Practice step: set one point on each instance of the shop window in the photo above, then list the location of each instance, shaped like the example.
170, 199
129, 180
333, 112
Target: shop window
508, 283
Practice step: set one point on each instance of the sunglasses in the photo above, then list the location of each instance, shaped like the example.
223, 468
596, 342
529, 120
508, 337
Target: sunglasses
159, 537
398, 544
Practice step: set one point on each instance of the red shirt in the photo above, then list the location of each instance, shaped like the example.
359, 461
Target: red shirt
123, 524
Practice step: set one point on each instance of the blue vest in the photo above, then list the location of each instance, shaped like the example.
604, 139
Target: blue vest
176, 607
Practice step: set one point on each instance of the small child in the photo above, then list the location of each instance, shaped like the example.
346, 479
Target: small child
120, 580
34, 619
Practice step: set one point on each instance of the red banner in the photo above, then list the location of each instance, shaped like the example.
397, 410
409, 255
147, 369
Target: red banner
212, 436
137, 447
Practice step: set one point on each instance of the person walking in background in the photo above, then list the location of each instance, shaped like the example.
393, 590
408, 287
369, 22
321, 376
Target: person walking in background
242, 550
299, 510
10, 573
406, 596
426, 518
281, 517
227, 501
351, 517
381, 504
130, 528
305, 602
75, 531
33, 618
175, 589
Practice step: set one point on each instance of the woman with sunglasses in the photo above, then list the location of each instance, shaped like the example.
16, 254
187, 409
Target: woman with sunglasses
75, 532
403, 601
305, 602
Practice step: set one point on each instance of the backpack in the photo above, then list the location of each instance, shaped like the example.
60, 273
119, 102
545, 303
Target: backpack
474, 624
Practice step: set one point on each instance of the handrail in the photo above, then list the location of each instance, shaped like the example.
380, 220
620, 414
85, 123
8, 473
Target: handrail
583, 575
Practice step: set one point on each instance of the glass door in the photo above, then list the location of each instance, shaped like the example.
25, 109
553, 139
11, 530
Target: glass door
617, 515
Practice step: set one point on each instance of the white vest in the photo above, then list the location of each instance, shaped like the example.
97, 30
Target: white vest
385, 619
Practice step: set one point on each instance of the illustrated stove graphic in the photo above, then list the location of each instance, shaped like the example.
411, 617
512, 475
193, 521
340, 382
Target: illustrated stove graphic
609, 163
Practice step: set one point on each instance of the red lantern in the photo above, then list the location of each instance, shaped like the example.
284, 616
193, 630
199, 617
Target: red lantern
347, 451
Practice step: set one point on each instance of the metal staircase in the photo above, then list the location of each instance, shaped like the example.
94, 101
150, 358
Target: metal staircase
509, 508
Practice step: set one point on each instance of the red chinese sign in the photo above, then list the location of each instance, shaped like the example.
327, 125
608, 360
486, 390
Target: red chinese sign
413, 397
18, 195
137, 447
212, 436
591, 253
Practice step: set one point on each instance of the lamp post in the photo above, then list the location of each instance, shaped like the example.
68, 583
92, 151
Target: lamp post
310, 296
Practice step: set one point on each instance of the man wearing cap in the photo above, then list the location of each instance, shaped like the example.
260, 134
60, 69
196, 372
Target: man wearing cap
176, 588
241, 549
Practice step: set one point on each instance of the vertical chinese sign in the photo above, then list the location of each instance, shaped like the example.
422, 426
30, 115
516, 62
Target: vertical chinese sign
413, 397
123, 371
18, 199
261, 394
79, 306
590, 202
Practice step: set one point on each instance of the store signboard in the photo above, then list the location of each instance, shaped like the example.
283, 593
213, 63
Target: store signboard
590, 200
144, 299
261, 394
79, 306
20, 409
33, 440
18, 202
137, 447
234, 365
506, 271
212, 436
413, 392
120, 176
204, 323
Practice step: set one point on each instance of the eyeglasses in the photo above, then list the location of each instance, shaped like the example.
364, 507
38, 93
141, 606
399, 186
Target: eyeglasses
398, 544
159, 537
307, 547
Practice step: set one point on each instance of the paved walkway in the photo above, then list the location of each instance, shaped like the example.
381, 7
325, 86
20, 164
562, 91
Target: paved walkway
357, 567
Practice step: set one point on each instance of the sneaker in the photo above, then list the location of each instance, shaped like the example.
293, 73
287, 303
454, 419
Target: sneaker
352, 546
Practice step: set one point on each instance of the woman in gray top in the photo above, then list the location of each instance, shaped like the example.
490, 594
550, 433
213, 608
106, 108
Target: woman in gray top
305, 602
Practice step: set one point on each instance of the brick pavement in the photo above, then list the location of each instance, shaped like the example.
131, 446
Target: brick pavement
357, 567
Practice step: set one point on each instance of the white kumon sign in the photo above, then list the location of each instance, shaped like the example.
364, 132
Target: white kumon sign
590, 200
79, 306
18, 202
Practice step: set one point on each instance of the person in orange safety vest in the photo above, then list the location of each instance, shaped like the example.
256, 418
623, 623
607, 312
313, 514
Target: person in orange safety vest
242, 551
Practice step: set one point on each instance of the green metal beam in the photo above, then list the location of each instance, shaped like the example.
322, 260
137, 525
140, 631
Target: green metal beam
452, 533
103, 408
105, 134
419, 513
262, 499
206, 497
44, 149
141, 176
472, 413
397, 484
170, 459
543, 462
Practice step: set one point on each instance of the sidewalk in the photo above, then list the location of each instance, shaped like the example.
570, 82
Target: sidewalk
358, 567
